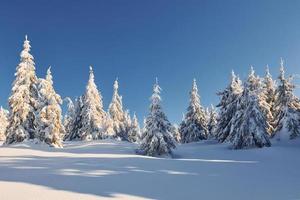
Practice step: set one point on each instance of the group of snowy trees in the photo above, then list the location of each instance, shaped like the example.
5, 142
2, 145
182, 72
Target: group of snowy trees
87, 120
252, 113
249, 113
35, 111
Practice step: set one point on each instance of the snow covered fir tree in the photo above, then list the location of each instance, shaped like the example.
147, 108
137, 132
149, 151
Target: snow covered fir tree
119, 119
49, 124
134, 132
157, 138
194, 125
269, 88
23, 100
287, 108
228, 107
3, 123
249, 127
212, 122
69, 117
89, 122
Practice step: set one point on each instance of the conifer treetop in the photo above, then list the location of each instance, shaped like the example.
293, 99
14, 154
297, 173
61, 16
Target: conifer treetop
282, 72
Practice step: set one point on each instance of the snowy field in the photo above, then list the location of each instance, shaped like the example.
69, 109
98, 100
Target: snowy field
111, 170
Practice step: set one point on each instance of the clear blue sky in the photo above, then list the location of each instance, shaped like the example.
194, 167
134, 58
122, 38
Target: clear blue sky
138, 40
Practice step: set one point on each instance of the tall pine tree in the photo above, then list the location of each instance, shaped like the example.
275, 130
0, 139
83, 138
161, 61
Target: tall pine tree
269, 86
212, 122
194, 126
287, 108
118, 117
157, 138
228, 107
49, 115
23, 99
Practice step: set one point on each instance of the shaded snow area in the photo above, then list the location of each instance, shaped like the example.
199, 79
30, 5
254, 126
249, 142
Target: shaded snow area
111, 170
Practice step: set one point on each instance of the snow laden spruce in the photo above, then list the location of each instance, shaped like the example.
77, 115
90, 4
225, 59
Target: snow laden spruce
228, 107
49, 126
212, 116
120, 119
157, 138
269, 89
134, 131
23, 100
287, 108
194, 125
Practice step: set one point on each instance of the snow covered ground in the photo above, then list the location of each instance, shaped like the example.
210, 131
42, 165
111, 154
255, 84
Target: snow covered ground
110, 169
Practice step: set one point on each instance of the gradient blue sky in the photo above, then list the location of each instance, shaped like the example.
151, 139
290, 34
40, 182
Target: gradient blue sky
138, 40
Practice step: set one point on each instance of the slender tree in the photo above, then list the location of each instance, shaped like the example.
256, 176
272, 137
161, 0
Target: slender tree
157, 138
176, 133
69, 116
75, 124
49, 115
23, 99
118, 117
3, 123
194, 126
287, 108
212, 122
269, 86
134, 131
228, 107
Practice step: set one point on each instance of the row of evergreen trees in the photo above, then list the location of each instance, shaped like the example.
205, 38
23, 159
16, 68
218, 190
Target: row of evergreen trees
36, 114
250, 113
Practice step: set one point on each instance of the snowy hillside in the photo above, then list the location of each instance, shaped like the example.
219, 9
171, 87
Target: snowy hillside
111, 169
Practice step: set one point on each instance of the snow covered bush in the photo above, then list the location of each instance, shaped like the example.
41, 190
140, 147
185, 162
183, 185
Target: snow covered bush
157, 138
194, 125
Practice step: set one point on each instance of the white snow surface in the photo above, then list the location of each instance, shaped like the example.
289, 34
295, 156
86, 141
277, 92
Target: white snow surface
109, 169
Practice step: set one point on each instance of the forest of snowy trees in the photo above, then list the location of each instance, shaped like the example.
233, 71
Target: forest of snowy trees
250, 113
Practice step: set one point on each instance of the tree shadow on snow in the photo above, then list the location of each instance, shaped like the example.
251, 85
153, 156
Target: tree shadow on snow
155, 178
